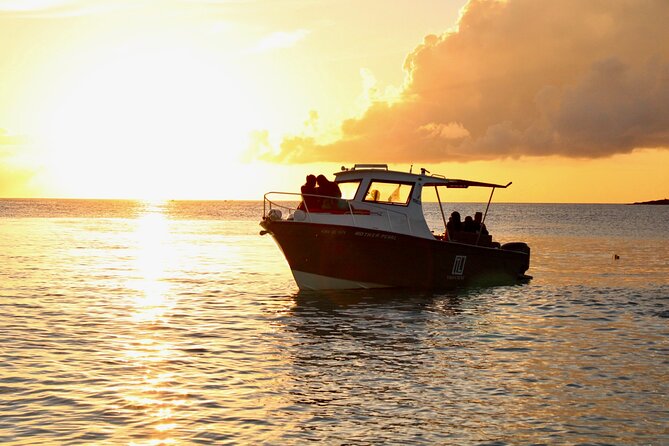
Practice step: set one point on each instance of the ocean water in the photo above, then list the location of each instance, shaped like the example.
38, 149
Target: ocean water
126, 322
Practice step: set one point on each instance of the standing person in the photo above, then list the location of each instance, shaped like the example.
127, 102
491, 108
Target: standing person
329, 189
309, 188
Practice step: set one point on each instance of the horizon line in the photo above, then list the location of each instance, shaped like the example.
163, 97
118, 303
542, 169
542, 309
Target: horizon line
152, 200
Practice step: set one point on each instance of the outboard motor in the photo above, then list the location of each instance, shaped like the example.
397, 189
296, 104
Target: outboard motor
516, 246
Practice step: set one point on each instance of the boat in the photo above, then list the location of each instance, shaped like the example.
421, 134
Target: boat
376, 236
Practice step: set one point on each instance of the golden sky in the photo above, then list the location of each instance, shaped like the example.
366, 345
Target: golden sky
221, 99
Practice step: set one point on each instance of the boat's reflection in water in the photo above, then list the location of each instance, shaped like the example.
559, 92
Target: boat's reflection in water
391, 318
409, 349
447, 300
339, 299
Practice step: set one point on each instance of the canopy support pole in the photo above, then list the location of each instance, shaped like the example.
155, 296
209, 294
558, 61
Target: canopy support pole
485, 214
443, 217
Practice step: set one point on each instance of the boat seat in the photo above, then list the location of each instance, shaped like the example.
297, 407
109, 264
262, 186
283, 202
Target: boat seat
339, 211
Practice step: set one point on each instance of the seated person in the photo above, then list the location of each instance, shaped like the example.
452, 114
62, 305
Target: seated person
480, 226
469, 225
454, 224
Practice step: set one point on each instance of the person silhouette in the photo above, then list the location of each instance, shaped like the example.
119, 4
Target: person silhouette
327, 188
469, 225
454, 224
308, 189
480, 226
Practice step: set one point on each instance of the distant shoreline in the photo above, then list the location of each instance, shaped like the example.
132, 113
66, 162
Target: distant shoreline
663, 201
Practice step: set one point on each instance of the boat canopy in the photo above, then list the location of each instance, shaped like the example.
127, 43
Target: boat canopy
461, 184
425, 178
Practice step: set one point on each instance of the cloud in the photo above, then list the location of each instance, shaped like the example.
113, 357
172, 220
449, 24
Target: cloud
16, 182
33, 5
280, 39
41, 9
8, 139
519, 78
15, 176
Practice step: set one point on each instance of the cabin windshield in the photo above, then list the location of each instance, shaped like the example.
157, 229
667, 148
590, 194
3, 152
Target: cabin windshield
389, 192
348, 188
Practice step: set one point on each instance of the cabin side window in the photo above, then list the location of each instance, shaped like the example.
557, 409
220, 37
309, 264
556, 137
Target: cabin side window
389, 192
348, 189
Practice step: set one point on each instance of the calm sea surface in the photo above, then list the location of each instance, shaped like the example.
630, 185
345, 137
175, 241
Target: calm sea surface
175, 323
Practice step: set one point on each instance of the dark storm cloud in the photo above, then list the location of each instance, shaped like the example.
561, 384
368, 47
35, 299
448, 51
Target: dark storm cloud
520, 78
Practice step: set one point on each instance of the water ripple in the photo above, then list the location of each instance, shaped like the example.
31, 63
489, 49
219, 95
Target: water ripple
155, 330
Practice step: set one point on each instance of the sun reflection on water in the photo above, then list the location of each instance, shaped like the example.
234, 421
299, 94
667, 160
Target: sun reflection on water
149, 390
153, 257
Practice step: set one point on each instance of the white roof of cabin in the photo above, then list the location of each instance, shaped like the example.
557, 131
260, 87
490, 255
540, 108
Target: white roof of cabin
381, 172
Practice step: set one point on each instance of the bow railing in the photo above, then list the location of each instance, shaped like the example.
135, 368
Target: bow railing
298, 209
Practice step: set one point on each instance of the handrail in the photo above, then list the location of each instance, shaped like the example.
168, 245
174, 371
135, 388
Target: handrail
379, 210
370, 166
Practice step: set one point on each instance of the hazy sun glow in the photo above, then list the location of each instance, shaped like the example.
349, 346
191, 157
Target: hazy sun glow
200, 99
146, 118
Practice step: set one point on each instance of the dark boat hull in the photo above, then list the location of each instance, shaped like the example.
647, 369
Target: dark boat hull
325, 256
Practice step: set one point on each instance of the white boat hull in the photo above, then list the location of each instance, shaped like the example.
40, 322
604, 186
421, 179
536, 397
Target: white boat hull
314, 282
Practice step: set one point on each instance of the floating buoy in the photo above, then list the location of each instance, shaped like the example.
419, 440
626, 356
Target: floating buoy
616, 257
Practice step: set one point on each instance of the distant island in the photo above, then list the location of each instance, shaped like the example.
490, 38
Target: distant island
664, 201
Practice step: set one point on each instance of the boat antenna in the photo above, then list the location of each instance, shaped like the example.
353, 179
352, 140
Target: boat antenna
411, 169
